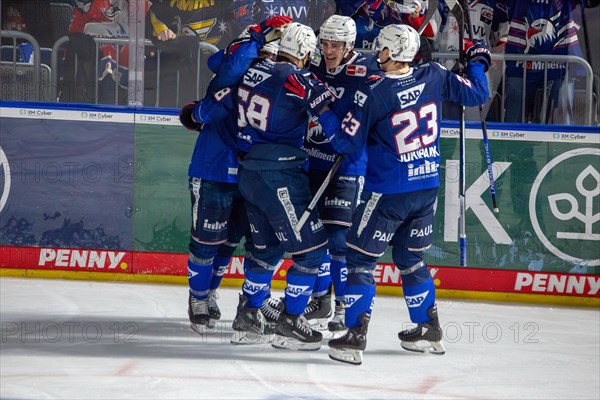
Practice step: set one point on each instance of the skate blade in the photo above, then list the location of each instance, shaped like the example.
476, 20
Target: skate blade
202, 329
250, 338
328, 335
284, 342
349, 356
424, 346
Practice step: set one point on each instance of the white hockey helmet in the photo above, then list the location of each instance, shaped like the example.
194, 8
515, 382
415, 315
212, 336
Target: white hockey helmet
298, 40
339, 28
403, 41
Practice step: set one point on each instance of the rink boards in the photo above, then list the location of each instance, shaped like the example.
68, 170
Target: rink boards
101, 193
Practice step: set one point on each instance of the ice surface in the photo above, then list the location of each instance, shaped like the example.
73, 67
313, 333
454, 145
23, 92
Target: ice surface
101, 340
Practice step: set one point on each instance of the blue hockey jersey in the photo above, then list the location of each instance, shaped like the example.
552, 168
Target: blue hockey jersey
542, 27
273, 103
343, 82
214, 156
398, 117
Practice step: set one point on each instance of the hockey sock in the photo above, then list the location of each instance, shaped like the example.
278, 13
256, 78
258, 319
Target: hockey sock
199, 276
419, 297
218, 270
300, 284
339, 274
359, 296
257, 282
323, 278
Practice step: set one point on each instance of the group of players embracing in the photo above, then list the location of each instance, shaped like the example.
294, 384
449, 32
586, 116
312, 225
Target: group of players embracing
272, 124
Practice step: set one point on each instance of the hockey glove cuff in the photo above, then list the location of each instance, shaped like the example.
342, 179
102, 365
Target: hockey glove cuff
272, 28
186, 119
478, 51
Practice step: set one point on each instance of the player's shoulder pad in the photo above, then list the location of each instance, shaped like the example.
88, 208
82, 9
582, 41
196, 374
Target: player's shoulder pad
298, 84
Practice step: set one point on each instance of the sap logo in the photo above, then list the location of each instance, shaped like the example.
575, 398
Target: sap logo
253, 77
382, 236
191, 273
324, 269
253, 288
428, 230
416, 300
360, 98
410, 96
343, 274
295, 290
351, 299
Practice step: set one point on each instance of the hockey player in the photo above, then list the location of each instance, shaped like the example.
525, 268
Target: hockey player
343, 70
272, 101
399, 115
219, 219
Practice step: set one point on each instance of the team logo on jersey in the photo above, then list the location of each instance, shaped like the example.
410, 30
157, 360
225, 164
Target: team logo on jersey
541, 34
360, 98
410, 96
356, 70
253, 77
416, 300
315, 133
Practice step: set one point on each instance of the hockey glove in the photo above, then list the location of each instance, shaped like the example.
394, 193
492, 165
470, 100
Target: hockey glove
273, 27
185, 117
478, 51
319, 97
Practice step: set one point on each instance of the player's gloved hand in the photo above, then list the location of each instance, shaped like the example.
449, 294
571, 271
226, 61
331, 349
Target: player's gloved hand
320, 96
185, 117
272, 27
478, 51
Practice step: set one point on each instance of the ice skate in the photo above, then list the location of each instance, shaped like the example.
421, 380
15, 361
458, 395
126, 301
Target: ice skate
349, 348
425, 337
318, 311
198, 313
249, 325
271, 309
293, 332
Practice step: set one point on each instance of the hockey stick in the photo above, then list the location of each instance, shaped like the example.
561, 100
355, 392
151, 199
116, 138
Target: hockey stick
320, 191
458, 12
486, 145
431, 9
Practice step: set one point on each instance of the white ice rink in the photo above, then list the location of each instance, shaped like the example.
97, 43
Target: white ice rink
97, 340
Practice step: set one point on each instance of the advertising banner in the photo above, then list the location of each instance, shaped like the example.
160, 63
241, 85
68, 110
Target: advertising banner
105, 190
67, 178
